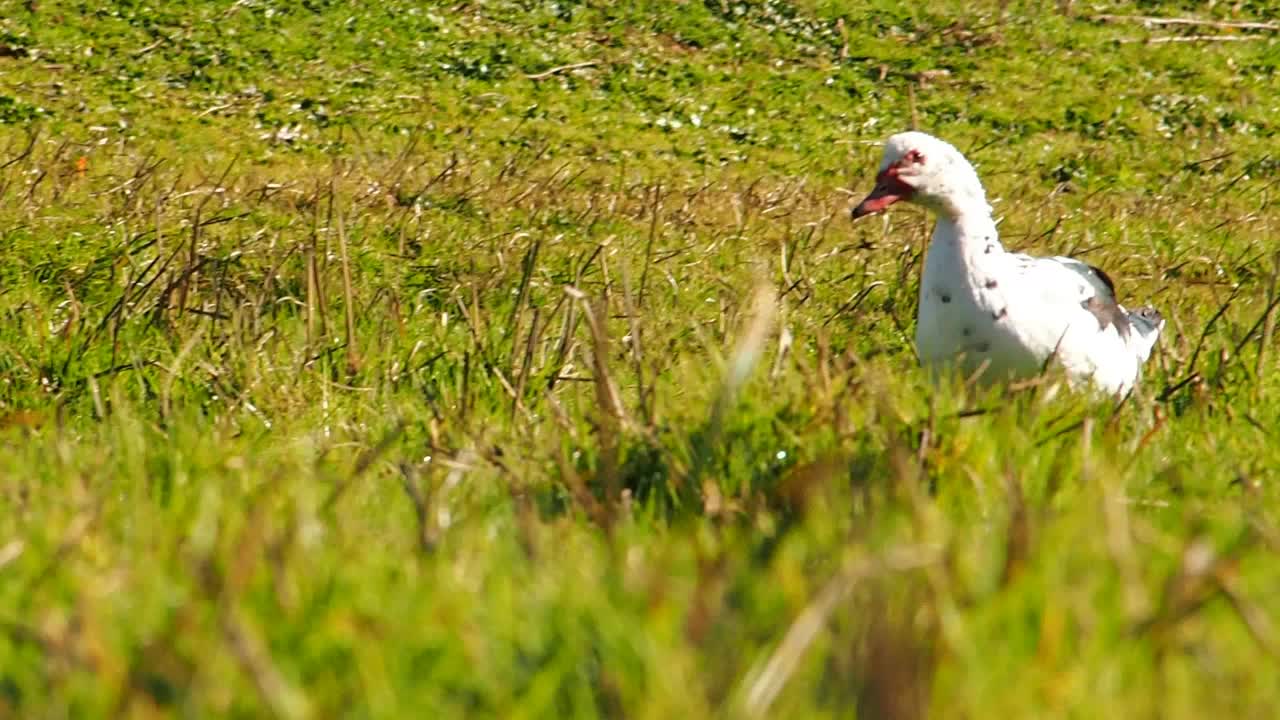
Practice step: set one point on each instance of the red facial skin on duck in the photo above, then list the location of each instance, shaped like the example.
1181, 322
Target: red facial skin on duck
889, 190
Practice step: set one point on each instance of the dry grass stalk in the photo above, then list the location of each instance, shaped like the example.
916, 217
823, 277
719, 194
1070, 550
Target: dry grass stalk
348, 294
1189, 22
763, 687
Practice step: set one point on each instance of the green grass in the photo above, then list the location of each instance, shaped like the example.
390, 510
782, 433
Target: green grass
370, 362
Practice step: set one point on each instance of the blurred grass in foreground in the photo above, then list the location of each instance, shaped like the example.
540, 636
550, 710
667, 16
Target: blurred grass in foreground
518, 359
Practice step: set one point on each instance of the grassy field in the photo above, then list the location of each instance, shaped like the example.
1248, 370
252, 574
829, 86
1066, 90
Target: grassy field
519, 359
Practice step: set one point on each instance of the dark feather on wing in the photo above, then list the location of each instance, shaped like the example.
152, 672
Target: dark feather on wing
1105, 278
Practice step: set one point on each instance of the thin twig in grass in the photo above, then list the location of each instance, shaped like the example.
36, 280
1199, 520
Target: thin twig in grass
1147, 437
95, 393
536, 329
707, 598
363, 463
913, 256
543, 184
315, 303
1242, 175
743, 202
512, 164
1173, 390
1193, 22
400, 167
1059, 433
655, 209
219, 185
174, 371
853, 302
219, 291
1268, 315
1018, 532
562, 68
1120, 546
1212, 158
1086, 449
133, 185
72, 537
971, 381
421, 505
116, 369
568, 329
1191, 364
251, 652
565, 183
464, 400
763, 686
148, 48
32, 135
742, 360
1186, 590
636, 347
269, 279
926, 435
475, 318
613, 418
133, 291
1202, 575
75, 314
785, 340
1269, 326
598, 512
516, 316
348, 292
1269, 433
183, 276
43, 172
1113, 419
580, 272
795, 284
543, 342
216, 315
446, 172
1251, 616
193, 253
471, 317
570, 324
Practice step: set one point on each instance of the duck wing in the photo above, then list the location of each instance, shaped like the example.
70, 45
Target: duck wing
1067, 283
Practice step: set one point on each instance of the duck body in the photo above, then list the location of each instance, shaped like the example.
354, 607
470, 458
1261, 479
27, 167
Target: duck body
997, 315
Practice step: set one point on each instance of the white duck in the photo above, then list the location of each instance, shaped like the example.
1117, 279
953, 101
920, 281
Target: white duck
998, 314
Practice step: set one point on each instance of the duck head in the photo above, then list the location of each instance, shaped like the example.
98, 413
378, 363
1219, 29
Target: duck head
921, 169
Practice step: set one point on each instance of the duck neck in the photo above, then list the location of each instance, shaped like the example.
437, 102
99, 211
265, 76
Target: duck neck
970, 229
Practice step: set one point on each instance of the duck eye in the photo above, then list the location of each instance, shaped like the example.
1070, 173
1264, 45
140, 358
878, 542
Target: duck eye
914, 156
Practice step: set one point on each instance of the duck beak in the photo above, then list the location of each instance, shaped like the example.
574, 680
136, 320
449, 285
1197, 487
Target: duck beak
889, 190
876, 202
